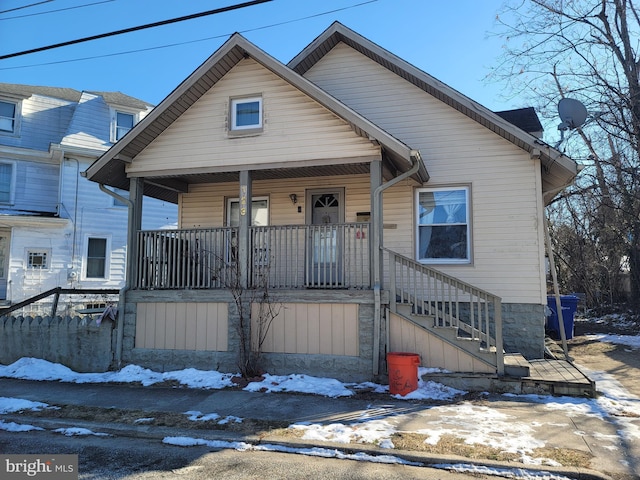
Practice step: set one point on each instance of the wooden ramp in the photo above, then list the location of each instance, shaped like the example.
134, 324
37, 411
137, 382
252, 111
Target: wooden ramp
546, 377
560, 377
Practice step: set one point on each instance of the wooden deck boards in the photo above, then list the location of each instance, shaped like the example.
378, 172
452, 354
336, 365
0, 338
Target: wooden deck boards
562, 377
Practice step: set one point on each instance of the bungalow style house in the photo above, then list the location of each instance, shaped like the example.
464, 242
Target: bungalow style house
376, 208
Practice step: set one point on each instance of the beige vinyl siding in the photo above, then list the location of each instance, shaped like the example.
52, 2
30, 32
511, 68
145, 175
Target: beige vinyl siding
312, 328
434, 352
505, 182
182, 326
296, 128
205, 204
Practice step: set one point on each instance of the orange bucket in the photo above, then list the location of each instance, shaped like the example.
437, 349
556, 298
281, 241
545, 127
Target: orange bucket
403, 372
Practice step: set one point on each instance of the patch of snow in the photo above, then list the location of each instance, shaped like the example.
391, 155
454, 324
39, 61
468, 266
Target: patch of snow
315, 452
632, 341
374, 432
78, 431
144, 420
10, 405
327, 387
516, 473
17, 427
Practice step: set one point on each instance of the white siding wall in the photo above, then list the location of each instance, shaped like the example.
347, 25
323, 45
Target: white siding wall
24, 282
296, 128
93, 214
43, 121
506, 214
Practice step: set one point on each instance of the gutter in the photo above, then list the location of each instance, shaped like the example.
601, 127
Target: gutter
416, 160
127, 281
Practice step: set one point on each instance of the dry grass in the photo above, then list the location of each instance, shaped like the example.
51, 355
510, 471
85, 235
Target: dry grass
159, 419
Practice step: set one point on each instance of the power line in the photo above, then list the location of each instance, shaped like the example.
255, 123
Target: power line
176, 44
135, 29
25, 6
51, 11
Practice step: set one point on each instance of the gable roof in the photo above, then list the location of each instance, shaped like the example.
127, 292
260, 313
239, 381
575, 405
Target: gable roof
558, 169
72, 95
110, 167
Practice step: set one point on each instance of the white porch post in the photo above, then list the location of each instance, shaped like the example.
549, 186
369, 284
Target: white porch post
136, 189
375, 261
244, 241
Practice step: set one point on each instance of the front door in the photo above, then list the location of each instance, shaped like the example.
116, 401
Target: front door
325, 246
5, 237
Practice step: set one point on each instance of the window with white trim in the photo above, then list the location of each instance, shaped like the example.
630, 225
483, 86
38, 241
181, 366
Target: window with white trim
259, 212
9, 116
7, 181
37, 259
96, 257
246, 114
124, 122
443, 226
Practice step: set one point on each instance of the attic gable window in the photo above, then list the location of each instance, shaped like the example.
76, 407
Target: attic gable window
9, 117
246, 114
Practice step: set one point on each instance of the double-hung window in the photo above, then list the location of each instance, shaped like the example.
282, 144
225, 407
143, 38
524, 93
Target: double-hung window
124, 123
9, 115
443, 226
7, 180
96, 257
246, 114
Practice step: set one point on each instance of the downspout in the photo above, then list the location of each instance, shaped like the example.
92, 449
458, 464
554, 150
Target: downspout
416, 159
127, 278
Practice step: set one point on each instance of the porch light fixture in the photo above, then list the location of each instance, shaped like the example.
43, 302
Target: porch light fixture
294, 198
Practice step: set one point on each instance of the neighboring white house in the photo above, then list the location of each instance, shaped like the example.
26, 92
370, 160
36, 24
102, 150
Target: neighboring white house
58, 229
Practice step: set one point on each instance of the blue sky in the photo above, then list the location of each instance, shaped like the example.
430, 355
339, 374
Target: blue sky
447, 39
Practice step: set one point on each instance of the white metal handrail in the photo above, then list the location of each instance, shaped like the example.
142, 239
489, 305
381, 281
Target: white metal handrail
450, 301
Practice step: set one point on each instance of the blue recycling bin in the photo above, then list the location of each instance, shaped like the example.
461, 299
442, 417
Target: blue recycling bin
569, 304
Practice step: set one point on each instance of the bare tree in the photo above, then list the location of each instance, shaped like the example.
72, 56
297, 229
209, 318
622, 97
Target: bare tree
255, 308
587, 50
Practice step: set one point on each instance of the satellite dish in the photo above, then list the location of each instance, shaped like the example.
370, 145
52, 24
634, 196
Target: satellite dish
572, 113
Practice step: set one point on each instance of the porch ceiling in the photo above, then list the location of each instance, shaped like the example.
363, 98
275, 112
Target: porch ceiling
181, 183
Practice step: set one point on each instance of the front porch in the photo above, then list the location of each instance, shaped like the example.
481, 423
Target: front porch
333, 315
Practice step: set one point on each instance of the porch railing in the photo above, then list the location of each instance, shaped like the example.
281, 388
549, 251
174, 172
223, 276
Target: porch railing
451, 302
286, 257
179, 259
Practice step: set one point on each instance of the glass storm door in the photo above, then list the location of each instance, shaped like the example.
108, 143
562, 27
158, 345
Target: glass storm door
325, 255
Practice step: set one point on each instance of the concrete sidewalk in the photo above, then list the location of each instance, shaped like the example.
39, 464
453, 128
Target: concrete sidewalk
555, 428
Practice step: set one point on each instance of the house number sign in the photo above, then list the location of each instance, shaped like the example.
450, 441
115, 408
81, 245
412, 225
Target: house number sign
243, 200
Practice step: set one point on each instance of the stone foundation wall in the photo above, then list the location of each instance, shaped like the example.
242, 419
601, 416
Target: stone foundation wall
523, 329
78, 343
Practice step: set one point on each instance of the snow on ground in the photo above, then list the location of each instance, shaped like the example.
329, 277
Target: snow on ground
78, 431
632, 341
475, 424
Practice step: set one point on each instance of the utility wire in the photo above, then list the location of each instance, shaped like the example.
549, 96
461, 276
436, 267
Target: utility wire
135, 29
52, 11
106, 55
25, 6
